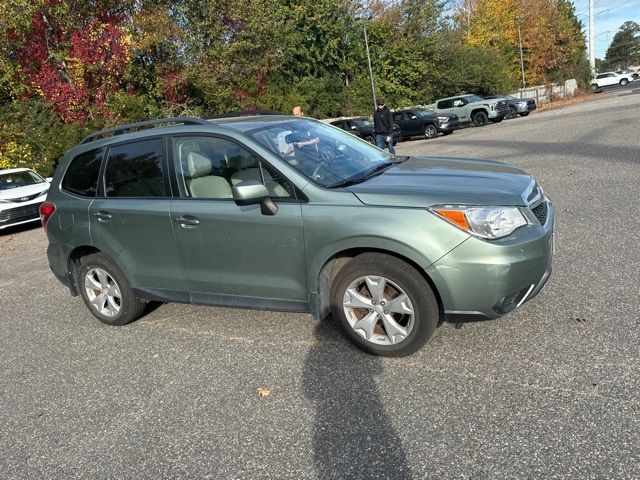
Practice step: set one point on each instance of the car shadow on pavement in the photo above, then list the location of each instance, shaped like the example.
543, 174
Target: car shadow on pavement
353, 436
24, 227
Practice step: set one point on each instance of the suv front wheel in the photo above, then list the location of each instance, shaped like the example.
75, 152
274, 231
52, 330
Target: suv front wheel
106, 291
384, 305
430, 131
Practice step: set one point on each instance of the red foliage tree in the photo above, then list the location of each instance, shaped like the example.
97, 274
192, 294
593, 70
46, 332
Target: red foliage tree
75, 69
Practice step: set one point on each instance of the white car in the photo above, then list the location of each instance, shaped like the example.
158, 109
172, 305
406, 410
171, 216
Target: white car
22, 191
606, 79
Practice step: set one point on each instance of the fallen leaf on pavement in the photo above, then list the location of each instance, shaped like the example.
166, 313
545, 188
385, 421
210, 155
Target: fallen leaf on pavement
264, 391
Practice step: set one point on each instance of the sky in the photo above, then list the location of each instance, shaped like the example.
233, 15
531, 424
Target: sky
610, 14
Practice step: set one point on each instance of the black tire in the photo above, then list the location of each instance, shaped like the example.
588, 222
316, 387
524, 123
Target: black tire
370, 139
430, 131
623, 82
524, 114
447, 132
409, 280
131, 307
480, 119
513, 113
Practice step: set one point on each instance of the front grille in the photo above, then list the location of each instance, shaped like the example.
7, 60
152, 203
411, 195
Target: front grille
25, 198
21, 213
541, 212
502, 107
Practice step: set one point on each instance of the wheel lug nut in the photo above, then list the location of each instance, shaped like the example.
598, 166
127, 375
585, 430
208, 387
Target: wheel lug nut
386, 312
371, 310
373, 303
382, 303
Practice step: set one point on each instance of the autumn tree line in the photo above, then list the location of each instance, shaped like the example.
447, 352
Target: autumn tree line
71, 66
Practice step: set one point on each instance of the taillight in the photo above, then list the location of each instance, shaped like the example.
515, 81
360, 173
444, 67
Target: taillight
46, 210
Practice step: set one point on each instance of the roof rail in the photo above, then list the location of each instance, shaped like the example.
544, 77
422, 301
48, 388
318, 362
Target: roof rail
122, 129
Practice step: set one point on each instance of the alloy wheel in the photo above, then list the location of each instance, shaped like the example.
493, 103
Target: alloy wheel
378, 310
103, 292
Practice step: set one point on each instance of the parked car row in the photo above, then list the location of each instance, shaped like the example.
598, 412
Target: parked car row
444, 118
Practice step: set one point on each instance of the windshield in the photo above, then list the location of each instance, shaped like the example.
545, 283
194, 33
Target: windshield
323, 153
19, 179
363, 122
423, 112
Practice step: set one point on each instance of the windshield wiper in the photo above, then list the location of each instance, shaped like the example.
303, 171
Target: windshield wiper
399, 158
362, 177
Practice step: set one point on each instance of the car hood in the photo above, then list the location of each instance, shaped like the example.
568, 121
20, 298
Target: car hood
18, 193
424, 181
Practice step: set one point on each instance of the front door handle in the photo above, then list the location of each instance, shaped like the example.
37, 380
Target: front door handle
102, 215
187, 221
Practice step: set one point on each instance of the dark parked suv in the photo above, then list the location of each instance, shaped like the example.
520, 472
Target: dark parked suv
517, 106
417, 122
363, 128
252, 212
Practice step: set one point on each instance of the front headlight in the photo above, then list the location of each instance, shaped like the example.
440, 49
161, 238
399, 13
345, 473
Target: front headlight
485, 222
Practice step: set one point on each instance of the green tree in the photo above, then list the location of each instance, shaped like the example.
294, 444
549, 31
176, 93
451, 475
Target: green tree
625, 47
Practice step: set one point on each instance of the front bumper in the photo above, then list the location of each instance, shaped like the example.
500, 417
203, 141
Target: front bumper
487, 279
12, 214
448, 126
524, 108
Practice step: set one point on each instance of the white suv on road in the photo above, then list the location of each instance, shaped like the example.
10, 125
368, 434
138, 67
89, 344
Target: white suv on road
612, 78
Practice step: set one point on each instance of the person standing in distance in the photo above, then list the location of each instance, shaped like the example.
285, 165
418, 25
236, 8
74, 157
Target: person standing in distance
297, 111
383, 126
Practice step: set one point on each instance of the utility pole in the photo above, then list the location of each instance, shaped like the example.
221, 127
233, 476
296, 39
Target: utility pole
373, 88
592, 38
521, 59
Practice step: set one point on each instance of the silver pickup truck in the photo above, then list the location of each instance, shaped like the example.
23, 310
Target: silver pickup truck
473, 108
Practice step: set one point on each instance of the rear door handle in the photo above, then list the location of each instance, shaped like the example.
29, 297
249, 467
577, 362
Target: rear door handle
187, 221
102, 215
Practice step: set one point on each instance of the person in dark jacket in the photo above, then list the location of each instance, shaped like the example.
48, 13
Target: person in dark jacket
383, 123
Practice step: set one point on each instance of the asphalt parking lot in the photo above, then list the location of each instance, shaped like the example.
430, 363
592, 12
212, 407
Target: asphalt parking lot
549, 391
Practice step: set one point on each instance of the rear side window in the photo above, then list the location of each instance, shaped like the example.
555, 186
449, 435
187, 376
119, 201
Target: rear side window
397, 117
445, 104
81, 177
135, 170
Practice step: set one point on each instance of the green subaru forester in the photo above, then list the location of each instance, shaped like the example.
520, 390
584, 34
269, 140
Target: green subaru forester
287, 213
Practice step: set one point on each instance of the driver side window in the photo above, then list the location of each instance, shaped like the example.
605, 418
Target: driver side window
208, 167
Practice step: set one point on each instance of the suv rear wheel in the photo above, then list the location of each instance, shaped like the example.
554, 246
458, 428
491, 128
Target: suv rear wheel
480, 119
430, 131
623, 82
513, 113
370, 139
106, 291
384, 305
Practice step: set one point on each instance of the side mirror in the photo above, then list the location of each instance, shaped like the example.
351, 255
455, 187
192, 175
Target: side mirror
413, 117
251, 192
